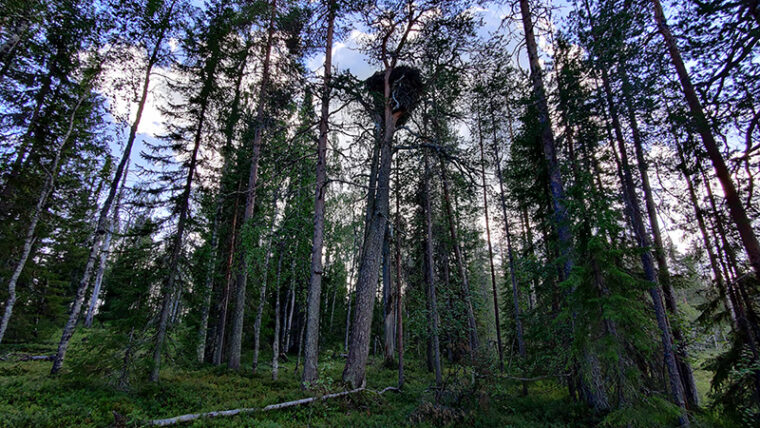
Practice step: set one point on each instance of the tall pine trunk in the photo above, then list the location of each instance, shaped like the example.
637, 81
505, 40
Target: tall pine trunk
472, 327
642, 240
490, 250
263, 288
311, 348
236, 339
430, 272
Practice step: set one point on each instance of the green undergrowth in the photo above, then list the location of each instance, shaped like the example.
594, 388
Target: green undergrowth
30, 397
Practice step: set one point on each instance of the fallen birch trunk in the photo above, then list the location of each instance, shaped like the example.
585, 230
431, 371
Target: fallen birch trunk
233, 412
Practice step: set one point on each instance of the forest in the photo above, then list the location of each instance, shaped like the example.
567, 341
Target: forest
287, 213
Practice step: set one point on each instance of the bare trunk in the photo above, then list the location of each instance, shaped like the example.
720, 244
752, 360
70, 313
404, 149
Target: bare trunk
389, 316
556, 185
289, 321
495, 293
263, 288
430, 273
236, 339
467, 293
30, 237
311, 352
358, 351
224, 303
511, 256
105, 252
399, 320
642, 239
276, 337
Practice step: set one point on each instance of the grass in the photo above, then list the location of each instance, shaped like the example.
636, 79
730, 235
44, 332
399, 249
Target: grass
30, 397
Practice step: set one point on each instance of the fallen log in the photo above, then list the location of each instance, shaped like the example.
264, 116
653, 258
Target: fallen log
193, 416
36, 357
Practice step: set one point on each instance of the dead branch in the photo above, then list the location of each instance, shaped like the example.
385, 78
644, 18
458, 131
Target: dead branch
193, 416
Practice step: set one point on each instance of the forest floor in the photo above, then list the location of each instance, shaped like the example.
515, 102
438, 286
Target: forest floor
29, 397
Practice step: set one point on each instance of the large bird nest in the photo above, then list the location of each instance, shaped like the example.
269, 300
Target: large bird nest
406, 88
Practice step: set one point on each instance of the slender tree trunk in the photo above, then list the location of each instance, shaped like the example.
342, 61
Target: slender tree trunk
510, 255
236, 339
200, 349
430, 272
100, 230
276, 337
263, 288
174, 261
105, 252
556, 185
399, 320
30, 238
735, 206
224, 303
471, 324
311, 349
490, 249
289, 325
642, 239
682, 358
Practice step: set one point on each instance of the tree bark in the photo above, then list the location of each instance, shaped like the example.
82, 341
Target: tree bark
556, 186
510, 255
399, 320
354, 371
311, 348
276, 337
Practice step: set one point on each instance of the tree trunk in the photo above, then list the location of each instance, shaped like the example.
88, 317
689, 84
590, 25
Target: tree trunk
490, 250
100, 230
642, 239
263, 288
682, 358
311, 348
430, 272
510, 255
354, 371
236, 339
105, 252
276, 337
399, 320
451, 219
184, 214
735, 206
389, 317
556, 185
30, 237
